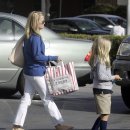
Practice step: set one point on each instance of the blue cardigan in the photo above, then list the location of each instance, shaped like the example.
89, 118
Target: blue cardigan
34, 56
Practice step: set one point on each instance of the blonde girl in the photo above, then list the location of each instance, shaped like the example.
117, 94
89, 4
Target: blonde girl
102, 81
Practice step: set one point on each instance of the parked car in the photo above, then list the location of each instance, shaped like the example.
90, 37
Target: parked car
107, 21
75, 26
12, 28
121, 66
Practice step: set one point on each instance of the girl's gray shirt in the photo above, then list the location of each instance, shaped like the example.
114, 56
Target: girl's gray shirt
102, 76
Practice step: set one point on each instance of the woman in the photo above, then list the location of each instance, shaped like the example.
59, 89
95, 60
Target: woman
102, 81
34, 70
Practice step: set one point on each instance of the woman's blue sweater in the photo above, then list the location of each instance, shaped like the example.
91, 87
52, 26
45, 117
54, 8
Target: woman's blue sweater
34, 56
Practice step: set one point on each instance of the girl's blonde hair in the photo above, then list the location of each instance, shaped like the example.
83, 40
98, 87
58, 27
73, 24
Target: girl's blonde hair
32, 23
100, 49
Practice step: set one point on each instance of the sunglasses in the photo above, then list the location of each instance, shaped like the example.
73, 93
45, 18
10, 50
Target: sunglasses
43, 22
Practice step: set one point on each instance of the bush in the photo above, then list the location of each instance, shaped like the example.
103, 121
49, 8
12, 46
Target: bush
107, 9
103, 9
121, 11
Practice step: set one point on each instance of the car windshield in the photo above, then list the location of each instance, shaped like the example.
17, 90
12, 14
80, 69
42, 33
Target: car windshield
124, 49
115, 19
85, 25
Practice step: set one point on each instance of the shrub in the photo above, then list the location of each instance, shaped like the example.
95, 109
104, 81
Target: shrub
121, 11
103, 9
106, 9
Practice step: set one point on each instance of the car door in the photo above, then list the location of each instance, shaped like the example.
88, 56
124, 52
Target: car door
8, 38
71, 50
59, 26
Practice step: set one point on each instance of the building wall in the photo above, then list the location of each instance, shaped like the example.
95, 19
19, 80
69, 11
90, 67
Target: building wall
68, 8
21, 7
112, 2
57, 8
122, 2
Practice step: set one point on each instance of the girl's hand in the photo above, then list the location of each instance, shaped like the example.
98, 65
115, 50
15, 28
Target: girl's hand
117, 77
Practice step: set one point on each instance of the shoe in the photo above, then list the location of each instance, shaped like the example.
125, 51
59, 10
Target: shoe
64, 127
17, 129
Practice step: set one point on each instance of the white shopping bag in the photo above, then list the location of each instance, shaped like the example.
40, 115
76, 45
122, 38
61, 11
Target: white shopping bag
61, 79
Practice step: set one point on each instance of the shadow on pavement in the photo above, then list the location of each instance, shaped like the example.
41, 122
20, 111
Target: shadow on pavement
77, 129
73, 102
88, 104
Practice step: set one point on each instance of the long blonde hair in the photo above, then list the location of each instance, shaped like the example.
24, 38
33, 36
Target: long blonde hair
32, 23
100, 49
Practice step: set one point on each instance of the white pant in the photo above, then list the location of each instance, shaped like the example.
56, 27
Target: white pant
33, 84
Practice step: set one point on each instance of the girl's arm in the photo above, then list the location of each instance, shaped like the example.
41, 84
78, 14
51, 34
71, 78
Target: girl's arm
104, 73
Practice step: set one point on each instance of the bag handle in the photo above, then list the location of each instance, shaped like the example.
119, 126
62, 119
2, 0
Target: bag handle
55, 63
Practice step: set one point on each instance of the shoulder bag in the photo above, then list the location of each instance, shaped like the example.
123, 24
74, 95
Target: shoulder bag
16, 57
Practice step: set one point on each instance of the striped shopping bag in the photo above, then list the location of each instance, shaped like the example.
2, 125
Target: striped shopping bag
61, 79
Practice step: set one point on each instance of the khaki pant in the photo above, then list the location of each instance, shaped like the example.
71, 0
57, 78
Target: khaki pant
103, 103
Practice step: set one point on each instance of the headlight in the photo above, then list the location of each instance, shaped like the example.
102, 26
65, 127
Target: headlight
124, 49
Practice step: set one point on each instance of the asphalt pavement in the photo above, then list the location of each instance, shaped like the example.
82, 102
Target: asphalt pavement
78, 109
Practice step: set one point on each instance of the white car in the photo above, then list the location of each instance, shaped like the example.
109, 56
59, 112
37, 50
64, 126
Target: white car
12, 28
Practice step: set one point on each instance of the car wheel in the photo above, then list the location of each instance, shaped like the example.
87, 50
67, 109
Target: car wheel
20, 86
125, 91
82, 81
7, 92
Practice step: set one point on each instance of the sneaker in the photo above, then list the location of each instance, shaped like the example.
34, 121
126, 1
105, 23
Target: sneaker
63, 127
17, 129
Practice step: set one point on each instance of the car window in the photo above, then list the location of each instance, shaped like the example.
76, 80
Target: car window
124, 49
19, 31
115, 20
88, 17
6, 31
86, 25
103, 22
59, 26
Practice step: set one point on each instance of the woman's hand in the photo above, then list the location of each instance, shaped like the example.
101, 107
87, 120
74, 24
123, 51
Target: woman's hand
58, 60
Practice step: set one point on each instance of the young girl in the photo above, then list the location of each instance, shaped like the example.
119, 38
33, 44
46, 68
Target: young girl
102, 81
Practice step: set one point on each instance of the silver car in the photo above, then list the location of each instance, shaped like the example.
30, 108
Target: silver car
12, 28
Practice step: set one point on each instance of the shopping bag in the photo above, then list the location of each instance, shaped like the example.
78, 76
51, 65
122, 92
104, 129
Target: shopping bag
61, 79
16, 57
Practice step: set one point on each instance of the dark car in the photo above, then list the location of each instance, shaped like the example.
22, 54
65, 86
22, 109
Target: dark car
107, 21
75, 26
121, 66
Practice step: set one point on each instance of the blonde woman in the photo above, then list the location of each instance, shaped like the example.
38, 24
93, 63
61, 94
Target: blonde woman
102, 81
34, 70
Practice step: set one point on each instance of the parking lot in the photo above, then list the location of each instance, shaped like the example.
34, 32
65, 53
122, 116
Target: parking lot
78, 109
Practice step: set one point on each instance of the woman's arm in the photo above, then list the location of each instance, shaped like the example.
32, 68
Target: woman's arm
37, 51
